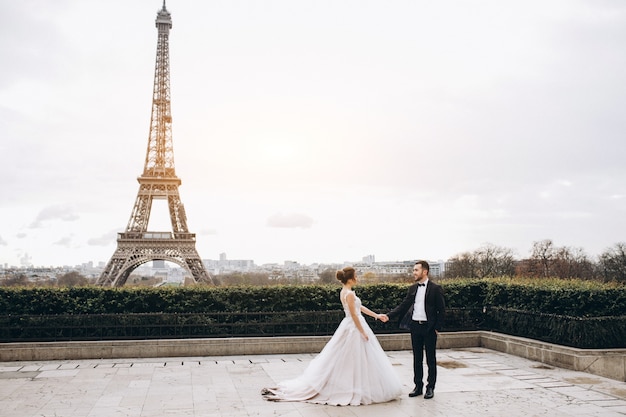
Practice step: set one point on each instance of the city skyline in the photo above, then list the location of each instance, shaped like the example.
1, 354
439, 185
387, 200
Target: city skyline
317, 130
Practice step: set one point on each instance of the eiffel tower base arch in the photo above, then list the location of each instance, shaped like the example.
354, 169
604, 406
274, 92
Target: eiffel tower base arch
135, 249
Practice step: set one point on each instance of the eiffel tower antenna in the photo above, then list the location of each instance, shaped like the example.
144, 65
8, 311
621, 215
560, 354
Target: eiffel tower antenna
137, 245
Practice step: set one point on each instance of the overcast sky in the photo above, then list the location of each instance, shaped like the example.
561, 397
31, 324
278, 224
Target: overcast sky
317, 130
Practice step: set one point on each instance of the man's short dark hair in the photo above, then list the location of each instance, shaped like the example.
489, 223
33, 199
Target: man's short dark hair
424, 265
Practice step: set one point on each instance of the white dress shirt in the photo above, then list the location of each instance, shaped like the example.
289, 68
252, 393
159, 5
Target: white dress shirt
419, 308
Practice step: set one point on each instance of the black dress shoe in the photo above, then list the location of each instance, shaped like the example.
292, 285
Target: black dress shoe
430, 393
416, 391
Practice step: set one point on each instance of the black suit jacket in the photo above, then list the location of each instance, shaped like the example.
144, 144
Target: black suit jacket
435, 307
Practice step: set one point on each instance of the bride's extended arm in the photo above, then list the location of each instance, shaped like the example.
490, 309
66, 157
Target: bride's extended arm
369, 312
354, 315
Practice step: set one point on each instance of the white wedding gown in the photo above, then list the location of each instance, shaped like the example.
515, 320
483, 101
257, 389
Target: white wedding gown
348, 371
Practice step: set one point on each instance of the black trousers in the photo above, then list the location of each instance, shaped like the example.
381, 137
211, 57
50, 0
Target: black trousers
423, 339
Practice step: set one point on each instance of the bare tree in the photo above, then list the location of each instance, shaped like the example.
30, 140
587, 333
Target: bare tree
71, 279
461, 266
547, 260
245, 278
398, 278
572, 263
613, 263
16, 280
487, 261
327, 276
494, 261
541, 261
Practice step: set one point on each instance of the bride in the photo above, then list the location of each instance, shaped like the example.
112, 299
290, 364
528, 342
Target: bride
352, 369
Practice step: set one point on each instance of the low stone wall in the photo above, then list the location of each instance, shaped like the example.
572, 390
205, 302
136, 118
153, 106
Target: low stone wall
609, 363
602, 362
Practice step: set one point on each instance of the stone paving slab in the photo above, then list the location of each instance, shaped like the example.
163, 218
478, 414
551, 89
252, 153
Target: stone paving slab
471, 382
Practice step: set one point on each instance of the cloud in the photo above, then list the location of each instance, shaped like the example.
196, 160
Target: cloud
104, 240
2, 242
21, 235
290, 221
64, 241
54, 213
206, 232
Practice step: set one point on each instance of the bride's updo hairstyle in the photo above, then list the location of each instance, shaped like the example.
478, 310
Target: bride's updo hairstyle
346, 274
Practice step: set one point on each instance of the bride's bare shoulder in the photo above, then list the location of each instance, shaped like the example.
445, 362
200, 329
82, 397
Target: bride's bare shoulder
346, 295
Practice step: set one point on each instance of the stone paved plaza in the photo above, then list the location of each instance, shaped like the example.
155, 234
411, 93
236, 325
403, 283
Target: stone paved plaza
471, 382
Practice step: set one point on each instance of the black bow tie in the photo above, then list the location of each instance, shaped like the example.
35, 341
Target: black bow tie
421, 285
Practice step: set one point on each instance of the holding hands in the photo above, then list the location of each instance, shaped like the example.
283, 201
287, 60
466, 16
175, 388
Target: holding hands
382, 317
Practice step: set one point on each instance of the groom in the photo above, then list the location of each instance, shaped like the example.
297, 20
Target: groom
422, 312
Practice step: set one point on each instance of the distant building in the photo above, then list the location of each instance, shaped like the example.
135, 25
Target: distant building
224, 265
384, 268
290, 270
291, 265
369, 259
437, 269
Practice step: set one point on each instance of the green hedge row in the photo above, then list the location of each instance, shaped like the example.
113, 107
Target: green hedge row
573, 313
165, 325
97, 300
571, 298
588, 333
554, 296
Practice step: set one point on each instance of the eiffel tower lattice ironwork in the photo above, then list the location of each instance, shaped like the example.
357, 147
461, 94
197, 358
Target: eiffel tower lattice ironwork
137, 245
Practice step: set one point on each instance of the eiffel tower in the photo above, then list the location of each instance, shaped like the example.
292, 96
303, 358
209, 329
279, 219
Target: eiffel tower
137, 245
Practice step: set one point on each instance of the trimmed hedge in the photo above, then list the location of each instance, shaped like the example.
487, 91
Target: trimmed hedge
125, 300
565, 297
556, 296
570, 312
587, 333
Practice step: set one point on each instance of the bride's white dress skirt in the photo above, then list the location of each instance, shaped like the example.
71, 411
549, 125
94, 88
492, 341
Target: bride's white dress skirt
348, 371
